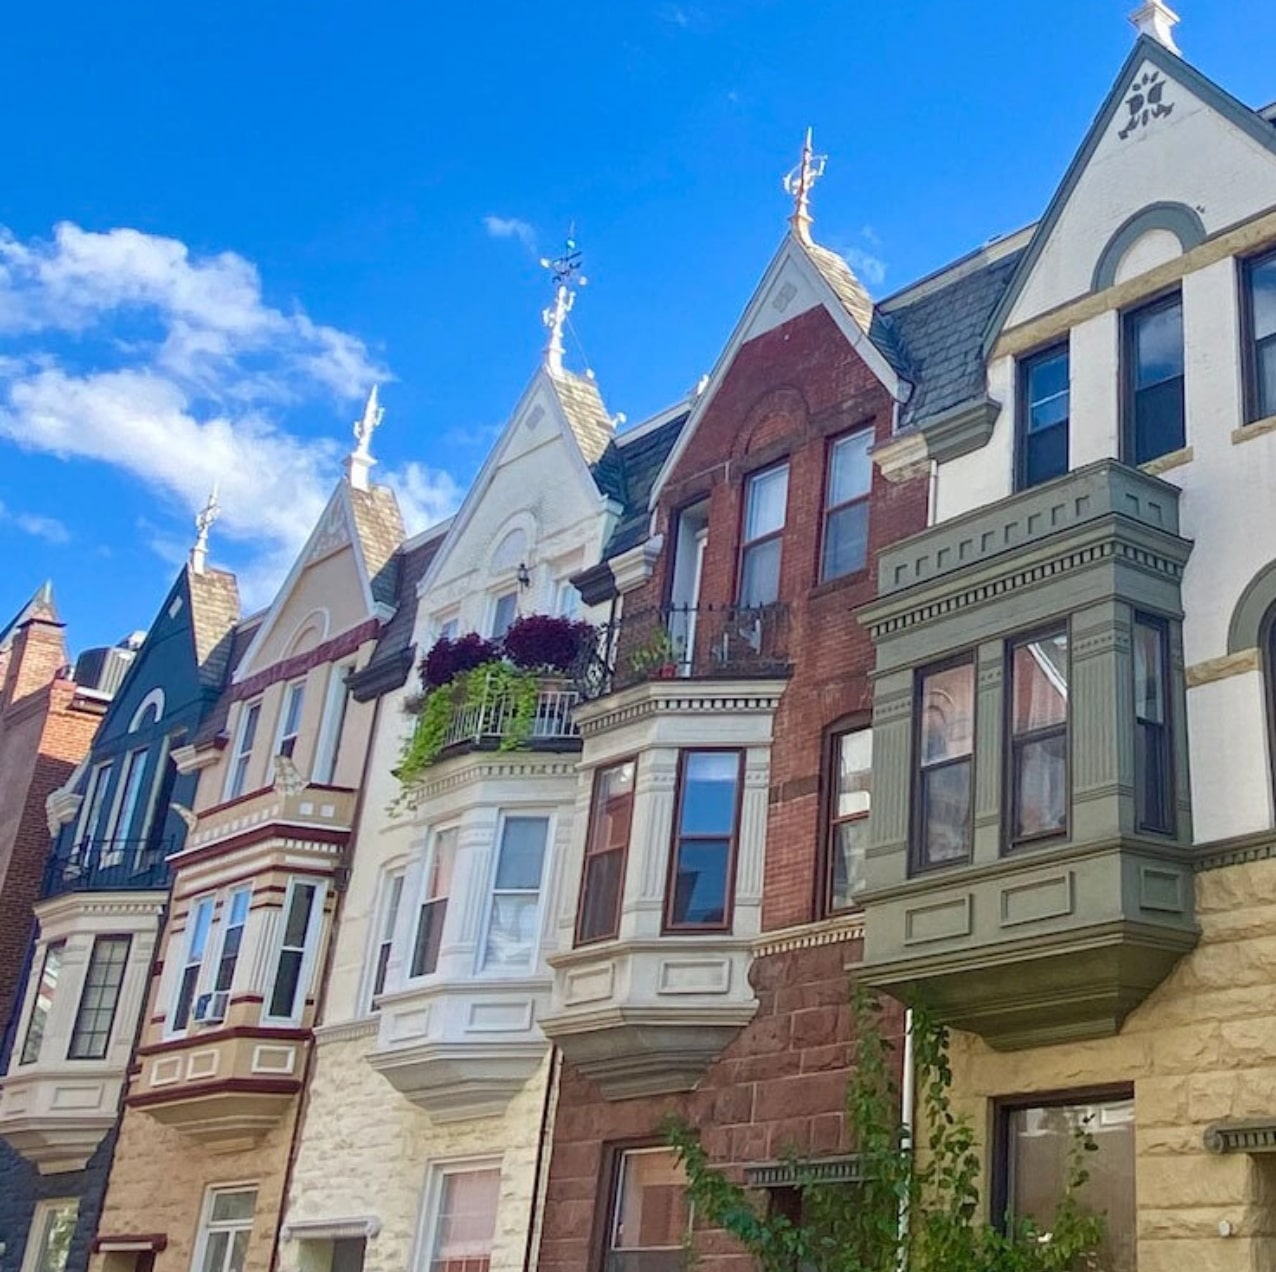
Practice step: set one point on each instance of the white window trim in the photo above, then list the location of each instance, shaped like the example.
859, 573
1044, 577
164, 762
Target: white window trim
309, 954
282, 723
236, 753
493, 602
379, 915
489, 890
206, 1217
223, 928
170, 1031
414, 920
43, 1209
99, 773
120, 820
432, 1195
161, 767
440, 621
335, 707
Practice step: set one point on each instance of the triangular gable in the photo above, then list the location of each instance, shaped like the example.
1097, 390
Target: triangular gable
799, 278
341, 530
1127, 177
541, 414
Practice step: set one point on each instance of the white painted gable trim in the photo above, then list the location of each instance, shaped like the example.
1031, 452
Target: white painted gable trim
755, 321
540, 385
280, 603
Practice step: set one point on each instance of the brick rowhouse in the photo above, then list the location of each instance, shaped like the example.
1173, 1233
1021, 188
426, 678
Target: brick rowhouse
781, 1084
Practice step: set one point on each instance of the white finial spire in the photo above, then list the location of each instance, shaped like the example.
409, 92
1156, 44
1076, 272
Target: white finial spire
360, 460
564, 270
1158, 20
799, 182
203, 521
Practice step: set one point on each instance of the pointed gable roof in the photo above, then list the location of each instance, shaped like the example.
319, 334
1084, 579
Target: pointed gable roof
214, 602
586, 416
41, 606
1253, 124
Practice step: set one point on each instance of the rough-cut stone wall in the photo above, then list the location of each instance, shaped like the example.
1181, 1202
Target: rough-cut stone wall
1199, 1050
354, 1115
780, 1085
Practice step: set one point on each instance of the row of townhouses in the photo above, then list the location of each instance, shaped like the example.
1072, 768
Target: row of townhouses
928, 644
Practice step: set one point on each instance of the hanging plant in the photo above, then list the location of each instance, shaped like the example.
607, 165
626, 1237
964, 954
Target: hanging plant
544, 642
448, 658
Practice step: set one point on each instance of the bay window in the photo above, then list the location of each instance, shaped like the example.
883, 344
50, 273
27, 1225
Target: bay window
234, 917
1155, 422
1044, 392
702, 859
847, 488
1260, 296
851, 770
95, 1016
514, 913
1038, 737
946, 737
1153, 778
433, 912
237, 778
650, 1213
387, 921
766, 496
606, 852
46, 989
290, 718
302, 918
198, 922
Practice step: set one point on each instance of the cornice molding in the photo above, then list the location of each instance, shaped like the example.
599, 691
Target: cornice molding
347, 1030
663, 698
808, 936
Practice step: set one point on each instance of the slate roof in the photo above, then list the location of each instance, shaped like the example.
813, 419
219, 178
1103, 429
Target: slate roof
940, 336
626, 472
41, 605
379, 525
583, 406
214, 598
241, 636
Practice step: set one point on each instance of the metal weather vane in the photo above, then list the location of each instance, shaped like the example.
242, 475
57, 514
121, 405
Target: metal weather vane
799, 182
565, 270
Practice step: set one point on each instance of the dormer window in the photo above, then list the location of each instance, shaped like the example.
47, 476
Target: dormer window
766, 497
1044, 408
1155, 412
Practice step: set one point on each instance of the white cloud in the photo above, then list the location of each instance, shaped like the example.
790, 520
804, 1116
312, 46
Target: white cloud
511, 227
870, 268
47, 528
130, 350
425, 495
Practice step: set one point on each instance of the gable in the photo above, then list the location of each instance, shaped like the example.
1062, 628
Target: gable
1171, 159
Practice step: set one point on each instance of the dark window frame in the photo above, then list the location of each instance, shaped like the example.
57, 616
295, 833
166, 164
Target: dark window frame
1011, 743
1023, 377
829, 821
1169, 798
577, 939
1004, 1106
611, 1161
746, 544
1253, 406
916, 864
1129, 320
828, 510
668, 927
81, 1010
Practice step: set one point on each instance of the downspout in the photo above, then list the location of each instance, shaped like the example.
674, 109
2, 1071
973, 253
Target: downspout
321, 996
540, 1177
908, 1084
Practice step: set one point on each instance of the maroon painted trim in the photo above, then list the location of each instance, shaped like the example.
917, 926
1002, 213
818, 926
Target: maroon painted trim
258, 834
331, 650
155, 1242
251, 1086
221, 1035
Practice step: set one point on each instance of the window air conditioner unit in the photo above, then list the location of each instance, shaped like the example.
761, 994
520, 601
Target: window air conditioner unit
210, 1009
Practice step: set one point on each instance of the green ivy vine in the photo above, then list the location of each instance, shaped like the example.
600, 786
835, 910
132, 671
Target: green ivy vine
908, 1211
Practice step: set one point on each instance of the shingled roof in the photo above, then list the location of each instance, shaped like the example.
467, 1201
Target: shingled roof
241, 636
626, 472
379, 525
214, 612
583, 406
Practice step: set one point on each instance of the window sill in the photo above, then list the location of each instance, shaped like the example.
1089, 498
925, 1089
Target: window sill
1164, 463
1258, 428
829, 586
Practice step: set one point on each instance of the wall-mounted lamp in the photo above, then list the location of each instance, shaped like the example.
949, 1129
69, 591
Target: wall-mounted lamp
524, 576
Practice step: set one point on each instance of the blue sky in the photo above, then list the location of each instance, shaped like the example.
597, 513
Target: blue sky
223, 221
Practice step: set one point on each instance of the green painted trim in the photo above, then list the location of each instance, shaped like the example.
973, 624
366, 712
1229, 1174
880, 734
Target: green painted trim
1145, 49
1256, 601
961, 429
1180, 220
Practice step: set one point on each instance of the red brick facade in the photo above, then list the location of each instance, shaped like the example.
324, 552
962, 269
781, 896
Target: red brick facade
44, 732
781, 1084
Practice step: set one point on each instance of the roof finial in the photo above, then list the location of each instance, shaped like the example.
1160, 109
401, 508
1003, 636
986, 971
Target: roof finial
360, 459
1157, 20
799, 182
564, 270
203, 521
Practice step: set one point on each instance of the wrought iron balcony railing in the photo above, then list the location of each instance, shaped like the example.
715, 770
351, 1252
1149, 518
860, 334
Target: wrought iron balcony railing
689, 641
496, 718
109, 865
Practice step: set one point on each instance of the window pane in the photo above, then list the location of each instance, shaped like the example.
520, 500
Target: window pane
249, 734
760, 574
848, 830
1045, 455
845, 541
946, 813
600, 895
1048, 391
234, 1206
429, 937
948, 713
1040, 678
613, 808
1152, 767
850, 840
303, 897
1157, 381
284, 997
512, 930
505, 614
1263, 290
466, 1221
440, 882
51, 1231
1149, 674
1158, 345
700, 882
854, 773
50, 971
850, 469
652, 1211
709, 780
1041, 786
768, 495
522, 853
91, 1033
1040, 1140
1265, 357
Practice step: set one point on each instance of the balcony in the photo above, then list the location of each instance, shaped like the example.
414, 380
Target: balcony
680, 642
1058, 937
495, 721
109, 865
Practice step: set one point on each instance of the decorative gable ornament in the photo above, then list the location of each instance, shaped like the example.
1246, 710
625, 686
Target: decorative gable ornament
1145, 102
332, 533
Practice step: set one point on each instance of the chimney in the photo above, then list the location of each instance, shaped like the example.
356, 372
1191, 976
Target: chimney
37, 656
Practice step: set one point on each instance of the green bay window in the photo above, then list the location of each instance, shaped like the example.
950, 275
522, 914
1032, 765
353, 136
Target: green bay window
945, 768
1038, 737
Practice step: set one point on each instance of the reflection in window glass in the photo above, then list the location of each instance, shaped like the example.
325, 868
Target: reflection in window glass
703, 849
947, 707
1153, 787
465, 1222
385, 935
227, 1229
288, 989
50, 971
848, 817
49, 1240
198, 923
1039, 1140
1154, 344
433, 912
1262, 299
850, 479
96, 1014
515, 912
651, 1213
1039, 736
603, 881
766, 498
1044, 402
